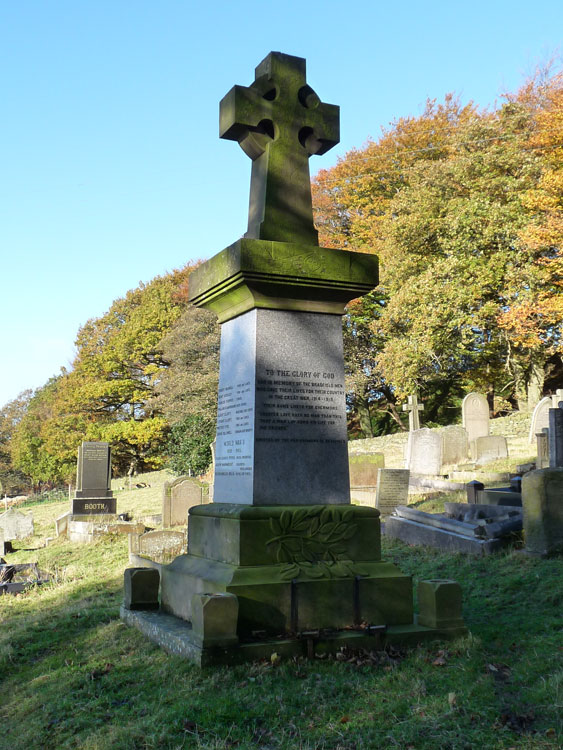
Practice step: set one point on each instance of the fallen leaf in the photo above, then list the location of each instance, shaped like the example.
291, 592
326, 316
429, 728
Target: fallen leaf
344, 719
439, 662
275, 658
452, 699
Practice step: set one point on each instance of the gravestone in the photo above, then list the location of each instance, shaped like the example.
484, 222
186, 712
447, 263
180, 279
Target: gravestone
424, 452
392, 490
160, 545
475, 416
455, 446
93, 493
16, 525
177, 498
281, 536
364, 469
555, 437
542, 505
542, 443
413, 407
540, 417
489, 448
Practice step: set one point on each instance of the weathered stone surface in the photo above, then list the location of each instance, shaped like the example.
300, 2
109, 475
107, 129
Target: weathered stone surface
214, 619
413, 407
413, 532
424, 452
500, 496
177, 498
160, 545
61, 524
475, 416
16, 525
439, 603
542, 503
392, 489
455, 446
540, 417
258, 274
542, 438
488, 448
93, 475
141, 588
280, 122
472, 489
281, 419
555, 438
364, 469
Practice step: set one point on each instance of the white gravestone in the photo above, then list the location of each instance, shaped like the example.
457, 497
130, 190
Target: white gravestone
475, 415
392, 489
424, 452
16, 525
540, 417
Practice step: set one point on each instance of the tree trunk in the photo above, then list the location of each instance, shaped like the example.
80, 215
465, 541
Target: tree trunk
535, 384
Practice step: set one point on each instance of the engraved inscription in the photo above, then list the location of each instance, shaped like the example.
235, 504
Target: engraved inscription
235, 419
299, 398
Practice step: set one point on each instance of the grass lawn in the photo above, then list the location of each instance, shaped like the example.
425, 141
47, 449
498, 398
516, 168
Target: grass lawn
74, 677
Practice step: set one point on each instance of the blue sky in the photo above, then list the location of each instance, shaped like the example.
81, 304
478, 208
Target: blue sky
111, 169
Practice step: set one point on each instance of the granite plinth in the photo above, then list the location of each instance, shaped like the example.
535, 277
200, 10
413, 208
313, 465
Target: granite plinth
281, 418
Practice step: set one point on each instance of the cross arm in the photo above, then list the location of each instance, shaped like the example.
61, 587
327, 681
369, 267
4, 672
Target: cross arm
241, 109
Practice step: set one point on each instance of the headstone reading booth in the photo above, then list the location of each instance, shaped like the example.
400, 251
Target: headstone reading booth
280, 560
93, 480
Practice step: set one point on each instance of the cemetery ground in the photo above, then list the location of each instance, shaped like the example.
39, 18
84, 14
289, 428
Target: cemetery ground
73, 676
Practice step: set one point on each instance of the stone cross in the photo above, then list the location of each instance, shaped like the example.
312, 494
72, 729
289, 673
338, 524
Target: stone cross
279, 122
413, 407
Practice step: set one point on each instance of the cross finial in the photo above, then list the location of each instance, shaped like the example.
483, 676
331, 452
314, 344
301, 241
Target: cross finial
413, 407
279, 122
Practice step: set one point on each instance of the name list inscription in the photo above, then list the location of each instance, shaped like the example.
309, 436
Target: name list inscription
235, 417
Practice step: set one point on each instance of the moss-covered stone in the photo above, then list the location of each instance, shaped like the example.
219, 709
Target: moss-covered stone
281, 276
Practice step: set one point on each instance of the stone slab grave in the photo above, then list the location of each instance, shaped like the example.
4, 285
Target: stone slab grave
471, 529
475, 416
158, 545
488, 448
178, 497
16, 525
18, 577
93, 493
280, 561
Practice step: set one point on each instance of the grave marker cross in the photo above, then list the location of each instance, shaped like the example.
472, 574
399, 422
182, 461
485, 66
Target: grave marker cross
413, 407
279, 122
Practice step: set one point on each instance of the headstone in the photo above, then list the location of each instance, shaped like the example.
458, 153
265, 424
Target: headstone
475, 416
413, 407
160, 545
16, 525
542, 504
455, 446
472, 489
556, 398
424, 452
555, 437
489, 448
177, 499
364, 469
542, 442
540, 417
93, 480
392, 489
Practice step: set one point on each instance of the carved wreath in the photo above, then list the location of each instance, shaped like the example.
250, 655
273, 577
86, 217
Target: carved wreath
312, 542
